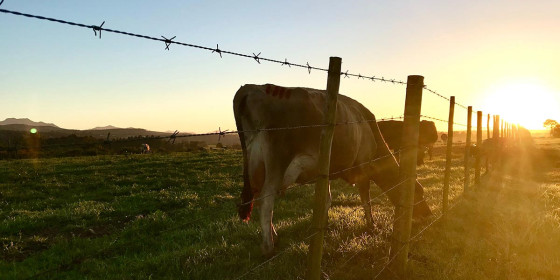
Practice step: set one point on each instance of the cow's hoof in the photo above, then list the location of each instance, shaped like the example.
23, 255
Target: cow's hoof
267, 251
371, 226
422, 210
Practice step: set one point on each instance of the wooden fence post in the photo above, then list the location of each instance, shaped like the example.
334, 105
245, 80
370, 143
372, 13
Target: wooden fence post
402, 223
479, 147
502, 129
497, 141
496, 131
468, 150
488, 127
448, 155
322, 188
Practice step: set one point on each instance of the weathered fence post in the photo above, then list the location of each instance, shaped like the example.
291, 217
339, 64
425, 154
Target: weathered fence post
448, 155
322, 188
497, 141
468, 150
488, 127
479, 147
502, 129
402, 223
496, 131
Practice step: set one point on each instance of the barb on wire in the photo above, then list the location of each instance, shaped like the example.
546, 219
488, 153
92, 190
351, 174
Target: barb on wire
97, 28
345, 74
286, 63
173, 136
221, 133
308, 68
217, 50
168, 41
1, 2
257, 58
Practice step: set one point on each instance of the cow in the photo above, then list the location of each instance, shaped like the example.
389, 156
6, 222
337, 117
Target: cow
392, 133
275, 158
144, 148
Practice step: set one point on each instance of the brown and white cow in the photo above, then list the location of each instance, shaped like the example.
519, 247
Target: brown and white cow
144, 148
392, 133
276, 159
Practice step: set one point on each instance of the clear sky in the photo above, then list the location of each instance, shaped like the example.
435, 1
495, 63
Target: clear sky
498, 56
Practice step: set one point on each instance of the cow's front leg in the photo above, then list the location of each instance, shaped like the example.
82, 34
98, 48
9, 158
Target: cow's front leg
363, 188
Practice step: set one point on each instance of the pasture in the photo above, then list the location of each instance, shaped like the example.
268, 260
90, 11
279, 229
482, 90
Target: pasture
174, 217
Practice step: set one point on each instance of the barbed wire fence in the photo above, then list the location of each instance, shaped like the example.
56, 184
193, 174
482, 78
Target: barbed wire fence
98, 29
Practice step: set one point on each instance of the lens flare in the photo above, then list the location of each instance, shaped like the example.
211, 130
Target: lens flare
33, 130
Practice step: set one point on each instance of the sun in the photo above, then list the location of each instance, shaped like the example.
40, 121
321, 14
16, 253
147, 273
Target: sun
528, 104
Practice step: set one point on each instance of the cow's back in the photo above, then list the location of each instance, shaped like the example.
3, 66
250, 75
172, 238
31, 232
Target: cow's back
264, 112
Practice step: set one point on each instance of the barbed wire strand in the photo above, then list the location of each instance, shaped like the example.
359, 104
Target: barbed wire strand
168, 42
442, 120
443, 97
219, 133
317, 178
272, 258
390, 260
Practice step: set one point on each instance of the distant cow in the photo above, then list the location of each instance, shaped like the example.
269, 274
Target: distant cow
144, 148
392, 133
275, 159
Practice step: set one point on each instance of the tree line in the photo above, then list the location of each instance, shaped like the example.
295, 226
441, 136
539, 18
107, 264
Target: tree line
554, 127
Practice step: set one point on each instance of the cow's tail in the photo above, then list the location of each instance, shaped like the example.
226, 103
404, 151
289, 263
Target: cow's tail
246, 206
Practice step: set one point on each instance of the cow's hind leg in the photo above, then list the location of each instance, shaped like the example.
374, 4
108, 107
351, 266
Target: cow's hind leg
268, 231
363, 188
271, 187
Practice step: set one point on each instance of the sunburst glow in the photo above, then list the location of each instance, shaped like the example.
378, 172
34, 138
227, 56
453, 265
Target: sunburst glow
528, 104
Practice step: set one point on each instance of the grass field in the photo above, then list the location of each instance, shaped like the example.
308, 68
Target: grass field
174, 217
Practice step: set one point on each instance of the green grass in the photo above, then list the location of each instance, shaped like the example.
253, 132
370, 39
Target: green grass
174, 217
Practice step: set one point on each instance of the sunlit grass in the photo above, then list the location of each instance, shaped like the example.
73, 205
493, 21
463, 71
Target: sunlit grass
174, 216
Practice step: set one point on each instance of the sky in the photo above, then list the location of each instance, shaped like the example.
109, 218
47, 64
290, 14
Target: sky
501, 57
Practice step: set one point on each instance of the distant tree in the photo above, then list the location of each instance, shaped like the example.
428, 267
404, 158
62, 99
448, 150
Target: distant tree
556, 131
550, 124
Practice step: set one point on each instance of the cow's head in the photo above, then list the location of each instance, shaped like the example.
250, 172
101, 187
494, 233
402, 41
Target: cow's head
421, 153
427, 137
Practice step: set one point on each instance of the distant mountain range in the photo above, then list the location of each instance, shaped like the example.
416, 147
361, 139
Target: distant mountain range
25, 121
110, 127
50, 130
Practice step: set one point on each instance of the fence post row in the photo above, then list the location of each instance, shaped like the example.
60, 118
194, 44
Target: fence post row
479, 147
448, 155
468, 149
402, 223
322, 188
